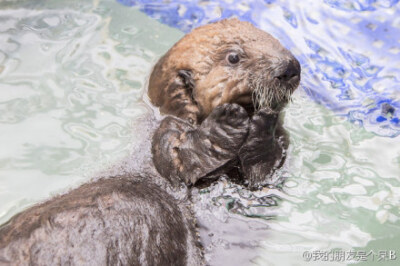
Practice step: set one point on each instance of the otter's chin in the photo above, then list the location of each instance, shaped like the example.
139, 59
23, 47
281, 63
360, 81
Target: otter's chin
253, 107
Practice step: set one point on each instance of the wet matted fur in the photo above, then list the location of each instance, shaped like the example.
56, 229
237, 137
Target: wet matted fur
124, 220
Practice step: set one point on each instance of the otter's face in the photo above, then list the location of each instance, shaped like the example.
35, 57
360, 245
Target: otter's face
225, 62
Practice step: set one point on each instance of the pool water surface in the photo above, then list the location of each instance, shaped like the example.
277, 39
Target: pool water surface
72, 79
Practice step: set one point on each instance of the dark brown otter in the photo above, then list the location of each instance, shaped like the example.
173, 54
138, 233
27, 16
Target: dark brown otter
224, 85
125, 220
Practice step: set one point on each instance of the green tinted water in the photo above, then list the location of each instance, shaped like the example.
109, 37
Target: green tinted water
71, 81
72, 77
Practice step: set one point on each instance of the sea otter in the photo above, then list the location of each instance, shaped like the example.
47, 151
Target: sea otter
222, 87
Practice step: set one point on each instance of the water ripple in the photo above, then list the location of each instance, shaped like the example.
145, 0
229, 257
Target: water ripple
73, 75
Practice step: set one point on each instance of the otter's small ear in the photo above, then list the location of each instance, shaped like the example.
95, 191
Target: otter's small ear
188, 81
177, 97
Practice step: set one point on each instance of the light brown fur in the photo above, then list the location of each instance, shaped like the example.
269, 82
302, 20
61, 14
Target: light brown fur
215, 82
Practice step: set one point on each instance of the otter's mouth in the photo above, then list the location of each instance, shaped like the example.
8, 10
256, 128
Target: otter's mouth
272, 86
246, 101
272, 96
250, 108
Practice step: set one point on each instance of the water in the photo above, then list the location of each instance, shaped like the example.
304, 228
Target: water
71, 83
72, 77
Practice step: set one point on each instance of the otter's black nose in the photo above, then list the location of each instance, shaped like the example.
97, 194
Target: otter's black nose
291, 70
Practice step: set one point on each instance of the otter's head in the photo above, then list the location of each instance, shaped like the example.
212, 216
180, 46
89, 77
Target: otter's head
229, 61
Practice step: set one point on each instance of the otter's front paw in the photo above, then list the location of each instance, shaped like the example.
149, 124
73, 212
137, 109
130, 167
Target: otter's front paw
230, 115
262, 125
260, 151
227, 126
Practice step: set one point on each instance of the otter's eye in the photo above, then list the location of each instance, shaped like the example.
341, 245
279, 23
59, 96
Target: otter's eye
233, 58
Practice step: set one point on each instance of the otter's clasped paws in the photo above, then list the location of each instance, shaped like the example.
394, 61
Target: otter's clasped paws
260, 152
213, 147
183, 152
227, 127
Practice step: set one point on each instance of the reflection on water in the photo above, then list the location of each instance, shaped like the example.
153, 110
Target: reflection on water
72, 76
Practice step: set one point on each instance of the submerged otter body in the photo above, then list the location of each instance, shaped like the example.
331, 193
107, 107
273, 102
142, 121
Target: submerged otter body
222, 87
124, 220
